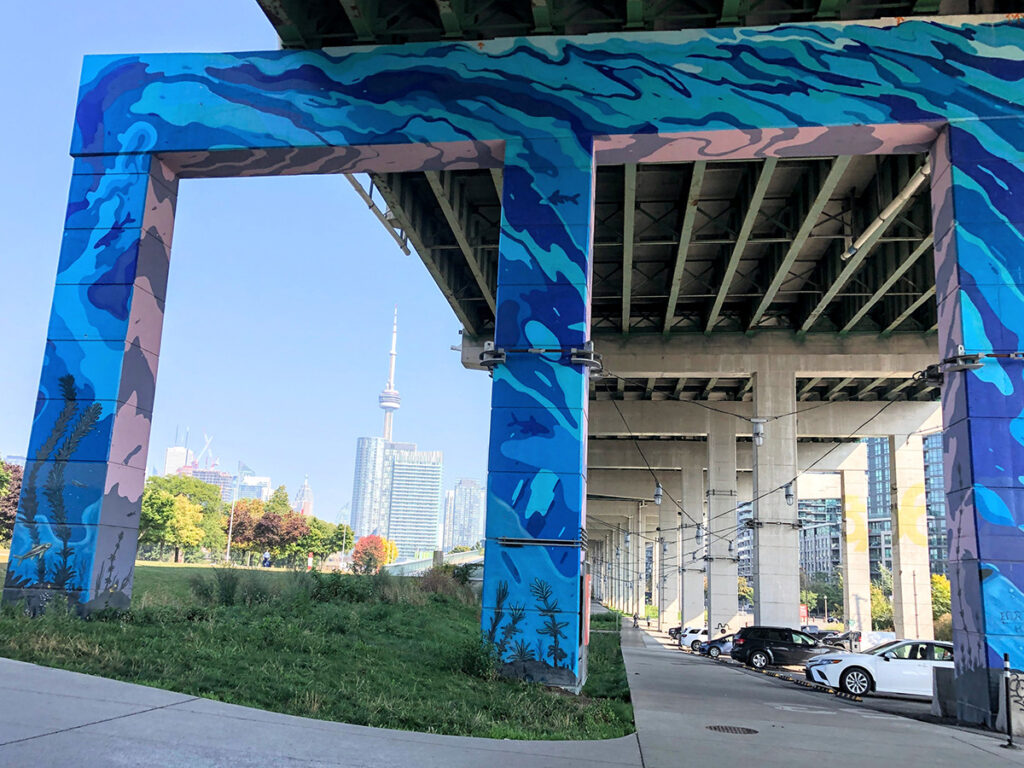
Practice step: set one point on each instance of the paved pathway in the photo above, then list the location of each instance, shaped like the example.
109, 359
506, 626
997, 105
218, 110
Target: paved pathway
676, 697
51, 717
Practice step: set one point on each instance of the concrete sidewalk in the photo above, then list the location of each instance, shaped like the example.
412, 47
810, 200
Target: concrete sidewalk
50, 717
677, 698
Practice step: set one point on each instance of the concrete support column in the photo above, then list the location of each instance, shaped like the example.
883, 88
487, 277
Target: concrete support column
536, 477
776, 535
668, 571
856, 564
911, 570
723, 600
636, 575
692, 556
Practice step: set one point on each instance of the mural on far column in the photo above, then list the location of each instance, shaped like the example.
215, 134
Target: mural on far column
546, 109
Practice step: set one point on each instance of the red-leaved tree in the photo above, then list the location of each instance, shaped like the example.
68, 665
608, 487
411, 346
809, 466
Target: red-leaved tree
369, 554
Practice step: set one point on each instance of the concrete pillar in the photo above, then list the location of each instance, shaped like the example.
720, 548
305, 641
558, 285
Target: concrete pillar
636, 578
776, 532
668, 571
536, 478
76, 529
692, 561
856, 564
723, 599
911, 570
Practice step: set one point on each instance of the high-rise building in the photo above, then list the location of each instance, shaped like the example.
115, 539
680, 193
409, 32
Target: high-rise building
879, 504
820, 536
367, 495
303, 503
223, 480
448, 534
463, 520
175, 458
415, 493
255, 487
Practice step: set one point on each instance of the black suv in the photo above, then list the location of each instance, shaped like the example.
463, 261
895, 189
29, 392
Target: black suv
779, 646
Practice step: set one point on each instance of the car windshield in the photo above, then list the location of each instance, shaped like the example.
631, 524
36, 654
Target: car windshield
878, 650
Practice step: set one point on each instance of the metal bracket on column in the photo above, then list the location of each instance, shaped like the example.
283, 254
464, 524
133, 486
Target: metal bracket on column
730, 559
712, 492
580, 543
492, 356
755, 523
587, 357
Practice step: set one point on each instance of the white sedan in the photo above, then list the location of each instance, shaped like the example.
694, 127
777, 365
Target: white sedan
899, 666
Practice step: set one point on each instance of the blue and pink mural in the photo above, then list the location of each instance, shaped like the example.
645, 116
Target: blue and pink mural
547, 110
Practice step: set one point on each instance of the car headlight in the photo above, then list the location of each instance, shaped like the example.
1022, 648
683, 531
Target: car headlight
822, 662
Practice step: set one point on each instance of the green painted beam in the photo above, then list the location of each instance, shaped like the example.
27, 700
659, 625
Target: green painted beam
806, 388
685, 235
914, 306
753, 207
829, 9
876, 383
926, 6
889, 282
628, 235
359, 18
541, 15
730, 12
839, 166
838, 388
449, 18
635, 14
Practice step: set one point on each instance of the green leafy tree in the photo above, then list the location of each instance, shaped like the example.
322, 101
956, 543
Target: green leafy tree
205, 495
746, 591
156, 515
884, 580
279, 503
247, 513
941, 600
881, 609
215, 537
342, 540
10, 490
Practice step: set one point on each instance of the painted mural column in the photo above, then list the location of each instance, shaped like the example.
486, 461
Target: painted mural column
856, 563
668, 551
533, 599
78, 515
692, 558
911, 570
978, 210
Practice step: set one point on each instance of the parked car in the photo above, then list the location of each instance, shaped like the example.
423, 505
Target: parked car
899, 666
849, 641
718, 646
760, 647
692, 637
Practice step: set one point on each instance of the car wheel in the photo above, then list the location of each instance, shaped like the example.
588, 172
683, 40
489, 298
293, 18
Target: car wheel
855, 681
695, 646
759, 660
714, 652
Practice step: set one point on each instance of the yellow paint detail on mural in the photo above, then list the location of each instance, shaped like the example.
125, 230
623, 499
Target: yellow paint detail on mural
855, 524
913, 516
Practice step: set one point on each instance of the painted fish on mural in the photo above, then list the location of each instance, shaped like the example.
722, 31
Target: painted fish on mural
34, 552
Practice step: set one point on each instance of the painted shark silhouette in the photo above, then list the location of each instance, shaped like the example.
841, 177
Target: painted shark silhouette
530, 427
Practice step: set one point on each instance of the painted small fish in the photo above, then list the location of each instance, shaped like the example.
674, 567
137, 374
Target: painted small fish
529, 427
557, 198
36, 551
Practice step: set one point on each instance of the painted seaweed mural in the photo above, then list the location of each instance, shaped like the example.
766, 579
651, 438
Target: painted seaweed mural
48, 538
545, 659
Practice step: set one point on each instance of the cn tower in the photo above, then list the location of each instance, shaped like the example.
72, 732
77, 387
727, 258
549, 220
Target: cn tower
389, 399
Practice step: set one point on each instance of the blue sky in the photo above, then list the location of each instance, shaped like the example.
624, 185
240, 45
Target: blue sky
281, 290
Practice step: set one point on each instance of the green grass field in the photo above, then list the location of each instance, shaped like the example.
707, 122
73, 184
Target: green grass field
380, 651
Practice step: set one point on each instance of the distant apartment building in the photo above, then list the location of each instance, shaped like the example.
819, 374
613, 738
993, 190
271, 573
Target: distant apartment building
225, 481
879, 503
255, 487
820, 535
414, 499
463, 515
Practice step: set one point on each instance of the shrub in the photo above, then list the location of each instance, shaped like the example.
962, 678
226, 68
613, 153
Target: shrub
944, 628
339, 588
476, 657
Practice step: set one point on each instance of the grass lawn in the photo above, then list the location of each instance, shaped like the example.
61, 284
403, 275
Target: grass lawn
381, 651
